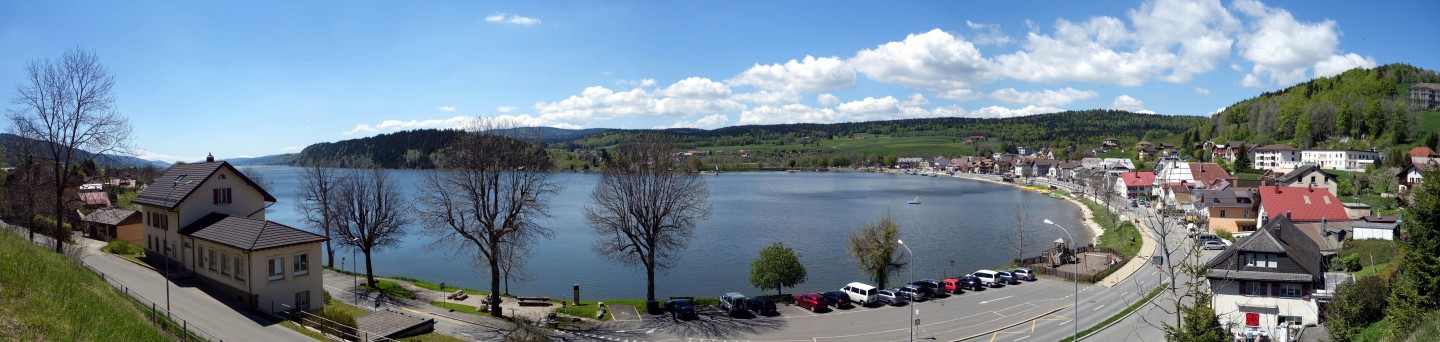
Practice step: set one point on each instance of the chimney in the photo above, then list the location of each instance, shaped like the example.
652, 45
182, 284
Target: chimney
1287, 215
209, 158
1311, 187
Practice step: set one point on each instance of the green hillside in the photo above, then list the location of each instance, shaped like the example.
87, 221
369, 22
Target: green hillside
46, 296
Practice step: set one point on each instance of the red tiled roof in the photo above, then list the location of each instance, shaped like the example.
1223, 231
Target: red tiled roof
98, 198
1303, 204
1422, 151
1145, 178
1208, 173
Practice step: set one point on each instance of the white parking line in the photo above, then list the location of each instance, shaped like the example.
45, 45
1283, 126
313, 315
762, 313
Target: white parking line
996, 299
1098, 307
1066, 321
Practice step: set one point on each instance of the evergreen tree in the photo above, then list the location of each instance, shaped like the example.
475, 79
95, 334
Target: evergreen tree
1200, 324
1416, 286
1242, 160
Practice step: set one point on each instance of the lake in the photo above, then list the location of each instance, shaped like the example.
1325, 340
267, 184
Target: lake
961, 227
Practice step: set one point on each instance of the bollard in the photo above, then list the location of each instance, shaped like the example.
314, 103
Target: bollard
577, 294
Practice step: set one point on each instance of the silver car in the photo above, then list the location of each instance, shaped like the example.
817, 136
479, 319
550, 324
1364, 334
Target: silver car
1214, 245
1024, 273
889, 297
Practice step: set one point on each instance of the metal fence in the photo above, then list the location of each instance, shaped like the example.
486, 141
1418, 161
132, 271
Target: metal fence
336, 331
161, 317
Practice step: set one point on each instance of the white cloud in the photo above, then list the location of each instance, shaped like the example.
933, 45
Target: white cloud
1337, 64
987, 34
361, 128
916, 100
827, 100
503, 18
446, 109
691, 96
151, 155
1202, 29
807, 75
711, 121
696, 87
1084, 52
1127, 103
1283, 48
1002, 112
292, 148
505, 109
930, 60
959, 94
1201, 91
396, 125
765, 97
641, 83
1045, 98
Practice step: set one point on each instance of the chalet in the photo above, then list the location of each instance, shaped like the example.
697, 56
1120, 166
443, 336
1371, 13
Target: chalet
1135, 184
227, 243
115, 224
1414, 174
1168, 148
1307, 176
1065, 171
1229, 210
1275, 157
1345, 160
909, 162
1309, 204
1147, 152
1266, 281
1229, 150
1178, 197
1110, 144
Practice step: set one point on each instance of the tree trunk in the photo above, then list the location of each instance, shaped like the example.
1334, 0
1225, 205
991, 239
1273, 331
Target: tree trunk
59, 225
369, 272
495, 288
329, 251
649, 282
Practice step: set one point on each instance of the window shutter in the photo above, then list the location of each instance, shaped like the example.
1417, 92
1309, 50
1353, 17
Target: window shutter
1305, 289
215, 194
1244, 290
1274, 289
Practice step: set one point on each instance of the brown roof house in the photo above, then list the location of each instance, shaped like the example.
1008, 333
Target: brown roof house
1268, 280
210, 219
115, 224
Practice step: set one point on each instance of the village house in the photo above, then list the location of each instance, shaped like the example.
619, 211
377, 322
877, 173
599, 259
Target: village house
208, 219
1110, 144
115, 224
1275, 157
1413, 175
1425, 96
1309, 176
1042, 167
1065, 171
1266, 281
1135, 184
1209, 174
1229, 150
1300, 204
1344, 160
1227, 210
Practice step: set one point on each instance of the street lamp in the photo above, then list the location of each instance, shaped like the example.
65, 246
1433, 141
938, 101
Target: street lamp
166, 272
912, 300
354, 281
1076, 336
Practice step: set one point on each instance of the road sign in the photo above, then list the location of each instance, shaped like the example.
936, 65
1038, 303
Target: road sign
442, 286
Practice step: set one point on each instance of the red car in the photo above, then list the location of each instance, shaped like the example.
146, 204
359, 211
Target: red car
813, 301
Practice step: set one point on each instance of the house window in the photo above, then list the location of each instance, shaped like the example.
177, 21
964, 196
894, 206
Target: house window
1290, 290
221, 196
240, 268
212, 260
1222, 212
302, 264
1254, 288
224, 264
1249, 259
302, 300
277, 268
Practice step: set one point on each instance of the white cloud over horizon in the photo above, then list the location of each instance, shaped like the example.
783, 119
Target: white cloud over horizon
1127, 103
502, 18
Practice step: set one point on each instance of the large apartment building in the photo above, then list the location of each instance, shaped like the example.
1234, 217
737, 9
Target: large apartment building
1344, 160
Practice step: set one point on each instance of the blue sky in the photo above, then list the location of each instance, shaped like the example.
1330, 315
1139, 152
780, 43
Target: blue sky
258, 78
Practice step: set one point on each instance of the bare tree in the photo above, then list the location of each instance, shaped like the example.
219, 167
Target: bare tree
487, 195
1183, 265
369, 212
645, 207
1021, 238
68, 106
318, 182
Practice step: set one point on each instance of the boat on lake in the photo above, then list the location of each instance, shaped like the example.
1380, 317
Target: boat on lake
914, 201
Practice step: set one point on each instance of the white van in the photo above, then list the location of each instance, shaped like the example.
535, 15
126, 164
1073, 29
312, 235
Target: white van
988, 278
861, 294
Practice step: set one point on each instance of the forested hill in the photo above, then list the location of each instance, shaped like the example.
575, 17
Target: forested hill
1371, 107
1079, 127
405, 149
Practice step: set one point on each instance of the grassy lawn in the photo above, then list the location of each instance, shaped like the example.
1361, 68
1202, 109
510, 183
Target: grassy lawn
1117, 236
1382, 250
50, 297
587, 309
436, 287
1247, 176
1118, 315
389, 288
460, 308
1429, 121
1375, 332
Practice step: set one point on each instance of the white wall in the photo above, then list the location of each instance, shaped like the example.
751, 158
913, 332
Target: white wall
1369, 234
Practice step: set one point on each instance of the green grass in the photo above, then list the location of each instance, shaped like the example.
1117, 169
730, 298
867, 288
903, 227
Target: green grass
436, 287
460, 308
587, 309
1382, 251
389, 288
51, 297
1117, 235
121, 247
1429, 121
1133, 306
1247, 176
1375, 332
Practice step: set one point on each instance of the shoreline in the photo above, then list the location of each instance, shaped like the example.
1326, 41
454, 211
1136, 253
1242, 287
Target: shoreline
1087, 217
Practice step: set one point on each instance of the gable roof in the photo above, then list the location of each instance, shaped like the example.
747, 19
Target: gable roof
1294, 175
182, 180
1275, 147
111, 216
247, 233
1302, 204
1142, 178
95, 198
1208, 173
1226, 198
1279, 235
1422, 151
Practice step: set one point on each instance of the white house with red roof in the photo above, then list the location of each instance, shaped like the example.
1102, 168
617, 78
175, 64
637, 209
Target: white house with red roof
1310, 204
1134, 184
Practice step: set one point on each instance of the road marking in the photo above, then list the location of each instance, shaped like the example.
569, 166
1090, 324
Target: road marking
1025, 337
1098, 307
996, 299
1126, 293
1066, 321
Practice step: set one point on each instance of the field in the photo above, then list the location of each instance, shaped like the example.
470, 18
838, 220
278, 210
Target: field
1429, 122
51, 297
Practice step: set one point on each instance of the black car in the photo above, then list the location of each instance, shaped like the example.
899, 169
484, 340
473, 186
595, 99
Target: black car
930, 287
837, 298
680, 308
760, 306
972, 282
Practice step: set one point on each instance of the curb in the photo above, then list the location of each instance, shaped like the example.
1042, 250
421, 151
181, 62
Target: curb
1032, 319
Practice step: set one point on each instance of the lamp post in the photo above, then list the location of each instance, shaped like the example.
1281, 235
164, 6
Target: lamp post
1076, 336
354, 281
912, 301
166, 272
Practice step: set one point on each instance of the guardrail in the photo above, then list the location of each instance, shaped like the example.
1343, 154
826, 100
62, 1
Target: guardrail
160, 317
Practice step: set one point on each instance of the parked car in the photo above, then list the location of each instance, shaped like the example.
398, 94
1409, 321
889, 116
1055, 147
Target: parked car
760, 306
812, 301
914, 293
1214, 245
952, 285
680, 308
733, 303
972, 282
1024, 273
989, 278
930, 287
889, 297
837, 298
1203, 237
860, 293
1007, 278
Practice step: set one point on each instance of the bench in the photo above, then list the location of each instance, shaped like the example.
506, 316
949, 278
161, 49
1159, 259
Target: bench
458, 295
534, 301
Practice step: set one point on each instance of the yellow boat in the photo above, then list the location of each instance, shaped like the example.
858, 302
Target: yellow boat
1043, 191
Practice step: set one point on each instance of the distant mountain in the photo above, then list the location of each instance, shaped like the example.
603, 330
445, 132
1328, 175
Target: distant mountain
7, 143
274, 159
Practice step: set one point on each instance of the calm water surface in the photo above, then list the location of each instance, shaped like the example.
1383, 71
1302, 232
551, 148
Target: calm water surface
962, 226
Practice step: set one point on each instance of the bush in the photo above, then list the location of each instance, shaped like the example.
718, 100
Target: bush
122, 248
1357, 304
46, 225
1227, 235
1351, 263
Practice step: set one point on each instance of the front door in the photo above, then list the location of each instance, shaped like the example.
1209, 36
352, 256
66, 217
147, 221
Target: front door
189, 255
